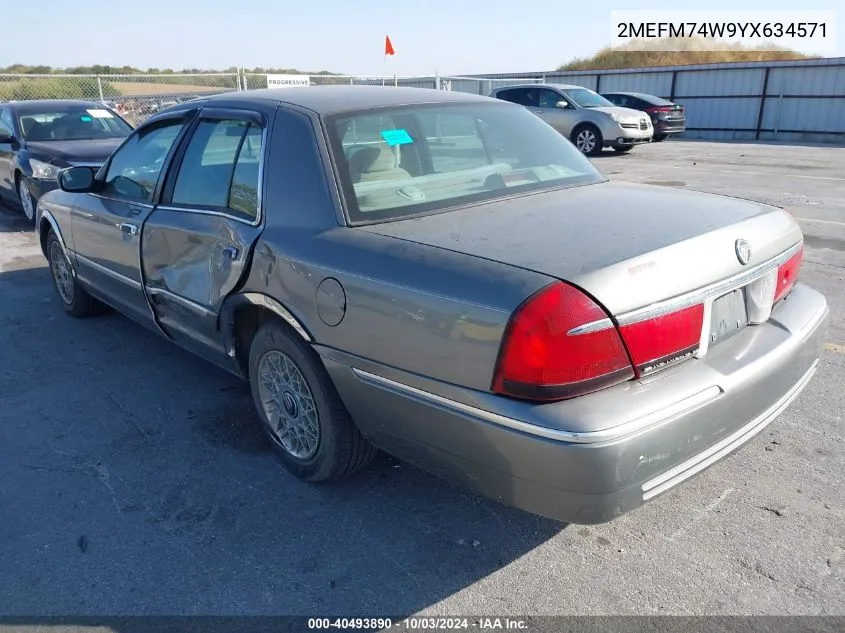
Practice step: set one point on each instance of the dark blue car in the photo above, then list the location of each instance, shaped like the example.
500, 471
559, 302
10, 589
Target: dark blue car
40, 137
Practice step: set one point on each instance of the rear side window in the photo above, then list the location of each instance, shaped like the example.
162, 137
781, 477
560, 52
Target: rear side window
523, 96
220, 168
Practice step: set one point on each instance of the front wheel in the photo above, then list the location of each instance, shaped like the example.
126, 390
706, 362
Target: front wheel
27, 201
587, 139
73, 297
300, 409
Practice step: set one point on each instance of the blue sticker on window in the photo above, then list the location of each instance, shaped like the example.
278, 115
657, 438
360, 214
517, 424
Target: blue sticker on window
86, 118
396, 137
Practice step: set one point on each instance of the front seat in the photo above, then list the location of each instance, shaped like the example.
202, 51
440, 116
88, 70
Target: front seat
376, 163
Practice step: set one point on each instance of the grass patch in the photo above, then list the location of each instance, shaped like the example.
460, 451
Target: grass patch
696, 50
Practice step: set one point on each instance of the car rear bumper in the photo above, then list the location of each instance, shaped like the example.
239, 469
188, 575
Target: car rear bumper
665, 127
593, 458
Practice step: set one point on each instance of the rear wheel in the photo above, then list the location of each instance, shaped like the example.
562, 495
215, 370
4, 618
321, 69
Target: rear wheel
72, 296
27, 201
587, 139
300, 409
659, 137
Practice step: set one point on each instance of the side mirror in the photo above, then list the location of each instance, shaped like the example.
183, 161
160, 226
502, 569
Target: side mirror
562, 105
76, 179
7, 137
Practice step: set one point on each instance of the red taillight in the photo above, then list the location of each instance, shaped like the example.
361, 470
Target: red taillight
664, 337
542, 358
788, 274
660, 109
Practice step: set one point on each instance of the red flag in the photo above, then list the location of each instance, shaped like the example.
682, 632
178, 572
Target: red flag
388, 47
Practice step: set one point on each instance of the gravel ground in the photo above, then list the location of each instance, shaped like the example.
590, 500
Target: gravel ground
135, 481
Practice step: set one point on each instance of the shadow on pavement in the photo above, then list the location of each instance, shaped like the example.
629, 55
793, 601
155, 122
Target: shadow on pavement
136, 481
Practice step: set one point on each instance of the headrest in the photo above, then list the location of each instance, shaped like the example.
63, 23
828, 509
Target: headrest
372, 159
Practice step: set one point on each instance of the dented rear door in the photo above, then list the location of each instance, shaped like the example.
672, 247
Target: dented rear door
197, 243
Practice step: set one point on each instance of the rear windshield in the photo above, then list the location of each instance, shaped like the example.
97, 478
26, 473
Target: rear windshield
72, 123
402, 161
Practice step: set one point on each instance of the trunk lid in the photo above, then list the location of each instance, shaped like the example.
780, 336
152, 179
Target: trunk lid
628, 245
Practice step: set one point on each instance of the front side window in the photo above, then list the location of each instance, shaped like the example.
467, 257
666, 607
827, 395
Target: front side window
134, 169
549, 98
72, 123
400, 161
220, 168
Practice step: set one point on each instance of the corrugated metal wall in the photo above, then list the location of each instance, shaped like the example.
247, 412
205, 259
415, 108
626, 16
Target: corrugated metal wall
797, 101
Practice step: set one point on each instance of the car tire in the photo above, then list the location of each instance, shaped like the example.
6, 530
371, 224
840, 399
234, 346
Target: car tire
305, 419
28, 203
587, 138
73, 298
659, 137
623, 149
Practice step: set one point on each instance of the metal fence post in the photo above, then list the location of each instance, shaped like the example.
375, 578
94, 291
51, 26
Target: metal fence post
672, 87
100, 88
598, 82
437, 80
762, 103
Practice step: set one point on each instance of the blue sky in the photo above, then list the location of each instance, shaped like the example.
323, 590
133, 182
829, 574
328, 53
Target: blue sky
449, 36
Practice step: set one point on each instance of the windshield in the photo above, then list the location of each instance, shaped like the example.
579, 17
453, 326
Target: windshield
586, 98
71, 124
396, 162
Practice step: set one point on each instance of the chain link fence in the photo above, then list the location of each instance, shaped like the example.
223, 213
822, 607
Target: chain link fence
134, 96
137, 96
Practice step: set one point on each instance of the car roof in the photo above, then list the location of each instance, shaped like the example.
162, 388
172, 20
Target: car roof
36, 105
639, 95
331, 99
545, 85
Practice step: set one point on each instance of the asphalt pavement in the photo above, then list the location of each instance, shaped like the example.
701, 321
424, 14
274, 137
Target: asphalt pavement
134, 478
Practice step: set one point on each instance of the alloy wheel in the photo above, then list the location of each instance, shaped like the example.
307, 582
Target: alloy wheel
61, 273
27, 202
586, 141
288, 405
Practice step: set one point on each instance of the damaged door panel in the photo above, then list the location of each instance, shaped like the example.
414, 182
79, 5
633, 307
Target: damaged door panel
197, 243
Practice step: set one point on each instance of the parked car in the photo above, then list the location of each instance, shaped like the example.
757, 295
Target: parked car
666, 117
443, 276
40, 137
589, 120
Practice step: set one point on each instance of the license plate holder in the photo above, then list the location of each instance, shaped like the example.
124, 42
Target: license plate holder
728, 316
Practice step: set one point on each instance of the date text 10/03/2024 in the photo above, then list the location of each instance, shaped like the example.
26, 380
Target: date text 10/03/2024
418, 624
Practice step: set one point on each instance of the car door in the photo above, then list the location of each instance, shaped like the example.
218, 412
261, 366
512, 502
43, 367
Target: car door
7, 153
197, 243
563, 119
106, 224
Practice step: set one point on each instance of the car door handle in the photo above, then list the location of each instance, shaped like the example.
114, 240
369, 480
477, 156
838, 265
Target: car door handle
129, 229
231, 252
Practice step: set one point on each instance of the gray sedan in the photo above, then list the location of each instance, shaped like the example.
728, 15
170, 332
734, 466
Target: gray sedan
589, 120
444, 277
